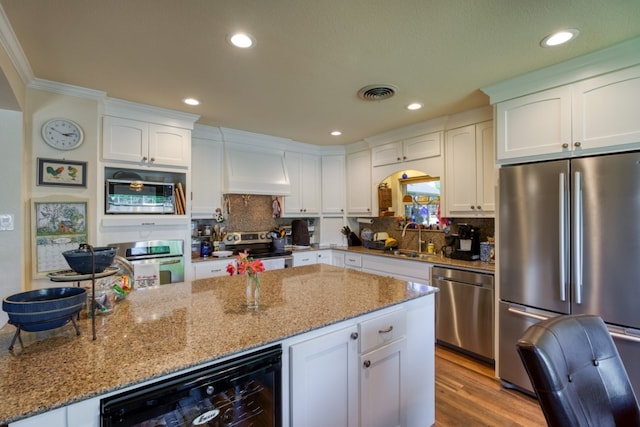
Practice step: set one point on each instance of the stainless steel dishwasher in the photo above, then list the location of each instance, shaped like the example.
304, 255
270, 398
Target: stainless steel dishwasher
464, 311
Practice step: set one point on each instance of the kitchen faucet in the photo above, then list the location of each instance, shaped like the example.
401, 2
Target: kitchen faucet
404, 232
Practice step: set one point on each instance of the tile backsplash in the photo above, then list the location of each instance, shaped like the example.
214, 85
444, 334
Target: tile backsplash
247, 212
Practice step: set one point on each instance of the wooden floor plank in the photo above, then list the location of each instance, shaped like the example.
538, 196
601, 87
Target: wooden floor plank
468, 394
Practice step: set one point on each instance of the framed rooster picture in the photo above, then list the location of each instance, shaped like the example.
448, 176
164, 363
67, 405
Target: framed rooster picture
67, 173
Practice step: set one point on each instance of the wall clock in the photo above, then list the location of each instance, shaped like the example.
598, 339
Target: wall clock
62, 134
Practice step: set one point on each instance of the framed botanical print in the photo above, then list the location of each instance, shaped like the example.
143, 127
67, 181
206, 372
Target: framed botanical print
58, 224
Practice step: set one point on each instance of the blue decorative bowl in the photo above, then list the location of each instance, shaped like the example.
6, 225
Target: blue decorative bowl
43, 309
80, 260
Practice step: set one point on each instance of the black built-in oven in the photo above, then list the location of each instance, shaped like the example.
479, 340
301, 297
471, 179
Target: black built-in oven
242, 392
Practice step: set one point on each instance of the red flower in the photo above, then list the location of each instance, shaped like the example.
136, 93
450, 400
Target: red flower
246, 265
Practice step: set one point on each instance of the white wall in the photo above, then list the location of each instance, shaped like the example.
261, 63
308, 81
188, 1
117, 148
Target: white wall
11, 202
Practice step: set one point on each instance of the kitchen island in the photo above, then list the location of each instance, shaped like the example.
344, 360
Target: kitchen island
161, 331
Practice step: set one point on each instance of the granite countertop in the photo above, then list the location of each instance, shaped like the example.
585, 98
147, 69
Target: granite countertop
159, 331
432, 259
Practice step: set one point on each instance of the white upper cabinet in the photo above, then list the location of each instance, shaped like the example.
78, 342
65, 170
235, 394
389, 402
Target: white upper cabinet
581, 118
333, 185
206, 177
359, 186
470, 171
304, 176
535, 125
145, 143
414, 148
606, 110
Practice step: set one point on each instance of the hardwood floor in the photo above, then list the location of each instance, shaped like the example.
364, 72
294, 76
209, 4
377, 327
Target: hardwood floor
468, 394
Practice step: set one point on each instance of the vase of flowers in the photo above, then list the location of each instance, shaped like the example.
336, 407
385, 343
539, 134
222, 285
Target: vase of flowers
252, 269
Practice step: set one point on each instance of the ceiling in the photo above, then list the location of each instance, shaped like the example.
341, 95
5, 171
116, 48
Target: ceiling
300, 80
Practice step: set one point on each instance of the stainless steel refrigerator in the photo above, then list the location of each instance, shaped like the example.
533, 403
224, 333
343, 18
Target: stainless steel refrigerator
569, 243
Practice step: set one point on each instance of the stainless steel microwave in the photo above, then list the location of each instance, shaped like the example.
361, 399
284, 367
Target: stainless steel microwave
139, 197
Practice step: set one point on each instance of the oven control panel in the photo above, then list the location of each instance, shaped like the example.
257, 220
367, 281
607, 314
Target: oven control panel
244, 237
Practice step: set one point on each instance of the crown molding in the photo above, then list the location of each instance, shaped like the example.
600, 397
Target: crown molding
10, 44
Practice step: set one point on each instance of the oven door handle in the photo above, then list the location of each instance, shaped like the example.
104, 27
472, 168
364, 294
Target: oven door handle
173, 261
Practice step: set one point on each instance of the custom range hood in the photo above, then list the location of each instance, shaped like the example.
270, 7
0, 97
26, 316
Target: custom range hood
250, 169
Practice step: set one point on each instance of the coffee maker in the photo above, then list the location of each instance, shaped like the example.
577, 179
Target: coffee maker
466, 243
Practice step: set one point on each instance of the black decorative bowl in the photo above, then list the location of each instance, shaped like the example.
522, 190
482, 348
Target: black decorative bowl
80, 260
44, 309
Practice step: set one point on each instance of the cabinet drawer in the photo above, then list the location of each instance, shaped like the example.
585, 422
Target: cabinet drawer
206, 269
382, 330
351, 260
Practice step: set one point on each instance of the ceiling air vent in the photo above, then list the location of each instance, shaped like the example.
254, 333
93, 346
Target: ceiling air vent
377, 92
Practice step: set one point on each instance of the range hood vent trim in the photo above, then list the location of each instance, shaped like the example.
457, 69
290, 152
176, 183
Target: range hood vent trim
251, 169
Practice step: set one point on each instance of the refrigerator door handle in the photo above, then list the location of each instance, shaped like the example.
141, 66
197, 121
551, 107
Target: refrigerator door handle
563, 244
526, 314
624, 337
577, 236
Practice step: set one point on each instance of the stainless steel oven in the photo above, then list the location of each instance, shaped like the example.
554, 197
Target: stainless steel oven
244, 391
259, 246
165, 256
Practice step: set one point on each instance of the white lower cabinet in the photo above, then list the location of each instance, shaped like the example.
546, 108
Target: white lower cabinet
402, 269
337, 258
54, 418
305, 258
324, 380
375, 372
324, 257
213, 268
381, 385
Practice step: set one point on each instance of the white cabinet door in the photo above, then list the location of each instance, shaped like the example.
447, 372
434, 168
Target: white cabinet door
333, 185
381, 386
605, 110
145, 143
324, 257
485, 167
337, 258
305, 258
124, 139
206, 177
387, 154
304, 176
213, 268
414, 148
169, 145
534, 125
461, 170
470, 171
422, 147
324, 380
359, 187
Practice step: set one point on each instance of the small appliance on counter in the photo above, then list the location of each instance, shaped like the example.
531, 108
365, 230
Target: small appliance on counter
466, 243
300, 232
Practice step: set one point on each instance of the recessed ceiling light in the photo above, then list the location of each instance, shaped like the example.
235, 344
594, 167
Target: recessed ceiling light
191, 101
559, 37
414, 106
241, 40
336, 133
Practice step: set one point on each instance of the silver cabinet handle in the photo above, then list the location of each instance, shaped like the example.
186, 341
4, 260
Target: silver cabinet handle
173, 261
366, 363
562, 221
577, 144
153, 159
565, 145
354, 335
144, 158
386, 330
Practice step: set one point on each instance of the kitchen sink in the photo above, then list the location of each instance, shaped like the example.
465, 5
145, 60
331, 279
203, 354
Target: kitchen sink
412, 254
